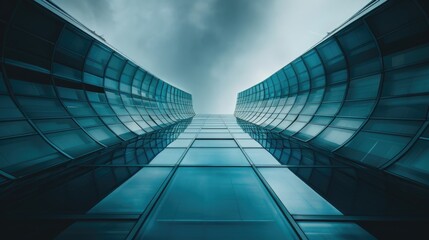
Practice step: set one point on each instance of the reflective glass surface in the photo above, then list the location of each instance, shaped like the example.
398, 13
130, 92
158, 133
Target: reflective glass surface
261, 157
215, 157
216, 203
214, 143
134, 195
168, 156
297, 196
334, 230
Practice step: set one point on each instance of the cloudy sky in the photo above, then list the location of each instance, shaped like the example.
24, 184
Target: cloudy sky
212, 49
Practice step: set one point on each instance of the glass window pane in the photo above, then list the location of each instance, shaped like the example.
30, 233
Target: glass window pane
134, 195
42, 107
216, 203
248, 143
414, 164
37, 154
364, 88
8, 109
180, 143
214, 135
261, 157
296, 195
373, 148
89, 230
8, 129
168, 156
214, 130
74, 143
103, 135
406, 107
215, 157
214, 143
331, 137
55, 124
187, 135
334, 230
393, 126
241, 135
97, 59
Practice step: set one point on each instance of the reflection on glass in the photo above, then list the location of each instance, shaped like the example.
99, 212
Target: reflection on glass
216, 203
214, 143
88, 230
261, 157
168, 156
295, 195
135, 194
245, 143
215, 157
181, 143
334, 230
214, 135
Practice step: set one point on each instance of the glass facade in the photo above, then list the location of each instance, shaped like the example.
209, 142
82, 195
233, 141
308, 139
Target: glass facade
256, 185
65, 93
361, 94
332, 146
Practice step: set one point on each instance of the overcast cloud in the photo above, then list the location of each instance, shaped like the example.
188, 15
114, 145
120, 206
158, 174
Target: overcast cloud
212, 49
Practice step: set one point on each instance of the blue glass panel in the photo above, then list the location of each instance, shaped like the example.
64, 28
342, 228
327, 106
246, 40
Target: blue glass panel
168, 156
404, 107
114, 68
399, 127
8, 129
373, 148
75, 142
406, 81
215, 157
37, 154
89, 230
121, 131
42, 107
8, 109
187, 135
134, 195
97, 59
261, 156
245, 143
55, 124
32, 88
181, 143
331, 138
214, 143
241, 135
214, 130
216, 203
364, 88
334, 231
103, 135
349, 123
296, 195
414, 164
79, 109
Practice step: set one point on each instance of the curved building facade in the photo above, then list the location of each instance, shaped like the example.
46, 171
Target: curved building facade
362, 93
65, 93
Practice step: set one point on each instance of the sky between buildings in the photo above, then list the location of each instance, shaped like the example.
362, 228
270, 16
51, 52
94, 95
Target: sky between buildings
212, 49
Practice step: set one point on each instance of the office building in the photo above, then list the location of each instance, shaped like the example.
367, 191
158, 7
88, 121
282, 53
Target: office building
332, 146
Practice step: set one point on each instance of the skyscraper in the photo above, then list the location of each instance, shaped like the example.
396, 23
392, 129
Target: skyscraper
332, 146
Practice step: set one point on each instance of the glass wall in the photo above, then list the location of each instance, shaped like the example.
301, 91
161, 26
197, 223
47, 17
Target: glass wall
65, 93
362, 93
253, 184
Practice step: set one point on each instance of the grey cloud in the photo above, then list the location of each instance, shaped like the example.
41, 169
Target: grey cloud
212, 48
